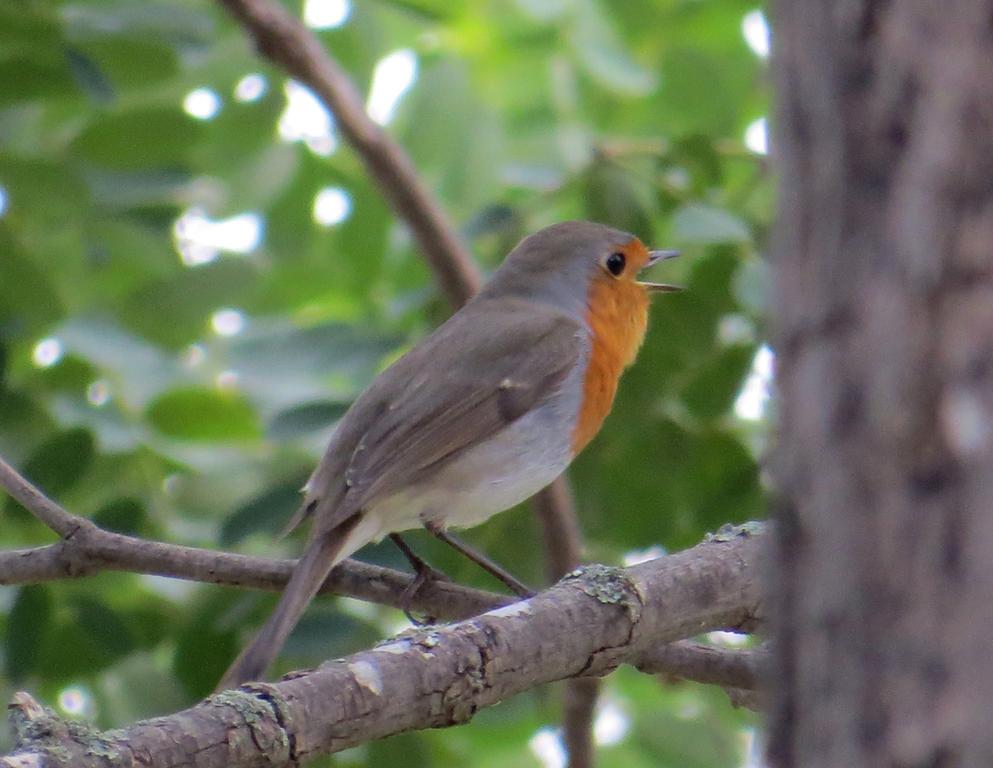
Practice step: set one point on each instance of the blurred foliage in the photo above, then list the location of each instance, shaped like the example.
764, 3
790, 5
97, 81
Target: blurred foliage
172, 389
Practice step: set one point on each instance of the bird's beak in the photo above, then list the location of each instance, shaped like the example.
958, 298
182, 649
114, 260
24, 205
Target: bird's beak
654, 257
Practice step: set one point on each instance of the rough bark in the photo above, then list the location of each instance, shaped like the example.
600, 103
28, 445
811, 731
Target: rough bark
586, 625
884, 145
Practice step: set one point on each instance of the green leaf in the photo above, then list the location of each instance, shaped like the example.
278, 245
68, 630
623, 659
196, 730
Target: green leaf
70, 373
123, 515
668, 739
406, 749
27, 625
326, 633
447, 129
139, 188
105, 627
131, 64
45, 195
140, 138
266, 513
89, 76
140, 370
237, 141
87, 637
304, 419
203, 414
722, 485
29, 28
61, 461
700, 224
176, 310
676, 725
205, 645
621, 199
433, 10
26, 79
150, 620
604, 54
28, 299
752, 285
267, 353
23, 419
174, 23
697, 153
711, 391
259, 178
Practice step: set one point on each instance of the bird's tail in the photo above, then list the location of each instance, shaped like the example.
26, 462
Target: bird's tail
321, 555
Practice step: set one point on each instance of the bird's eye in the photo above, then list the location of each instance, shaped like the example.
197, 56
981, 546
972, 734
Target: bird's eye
615, 264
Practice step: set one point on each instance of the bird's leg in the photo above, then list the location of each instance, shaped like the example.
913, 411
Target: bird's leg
479, 559
423, 573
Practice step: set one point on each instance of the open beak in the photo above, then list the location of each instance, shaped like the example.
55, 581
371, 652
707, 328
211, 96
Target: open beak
654, 257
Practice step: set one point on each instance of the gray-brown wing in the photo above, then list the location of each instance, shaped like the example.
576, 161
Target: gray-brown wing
455, 389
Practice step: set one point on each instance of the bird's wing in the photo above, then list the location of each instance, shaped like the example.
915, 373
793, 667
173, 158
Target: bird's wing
482, 370
478, 373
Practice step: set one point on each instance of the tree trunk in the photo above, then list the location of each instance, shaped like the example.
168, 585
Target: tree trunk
884, 588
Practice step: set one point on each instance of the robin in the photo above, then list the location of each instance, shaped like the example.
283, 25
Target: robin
481, 414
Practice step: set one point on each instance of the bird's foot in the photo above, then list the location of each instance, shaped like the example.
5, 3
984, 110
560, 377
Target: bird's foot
497, 571
425, 573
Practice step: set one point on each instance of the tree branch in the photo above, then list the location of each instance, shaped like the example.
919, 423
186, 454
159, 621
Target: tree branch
90, 549
39, 505
586, 625
86, 549
727, 667
739, 672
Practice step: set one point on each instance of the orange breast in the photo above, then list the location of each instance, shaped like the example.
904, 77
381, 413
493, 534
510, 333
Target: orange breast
617, 316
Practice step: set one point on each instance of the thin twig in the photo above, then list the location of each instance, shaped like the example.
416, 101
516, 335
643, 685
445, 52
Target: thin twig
578, 713
287, 42
563, 551
86, 549
39, 505
728, 667
559, 528
738, 671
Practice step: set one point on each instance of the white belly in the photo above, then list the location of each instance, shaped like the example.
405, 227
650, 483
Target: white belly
505, 470
494, 476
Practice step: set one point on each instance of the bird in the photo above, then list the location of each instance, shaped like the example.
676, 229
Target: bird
480, 414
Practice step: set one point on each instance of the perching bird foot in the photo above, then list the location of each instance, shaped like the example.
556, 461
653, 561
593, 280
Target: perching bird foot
496, 571
425, 573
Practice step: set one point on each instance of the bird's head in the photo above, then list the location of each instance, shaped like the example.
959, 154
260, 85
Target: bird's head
576, 262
